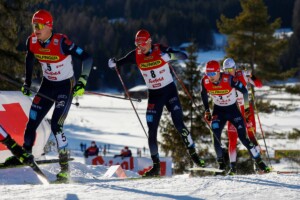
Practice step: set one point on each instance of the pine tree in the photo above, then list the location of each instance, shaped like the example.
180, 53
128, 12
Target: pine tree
251, 40
14, 21
172, 143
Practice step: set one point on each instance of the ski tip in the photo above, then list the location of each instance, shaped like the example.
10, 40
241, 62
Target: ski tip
43, 179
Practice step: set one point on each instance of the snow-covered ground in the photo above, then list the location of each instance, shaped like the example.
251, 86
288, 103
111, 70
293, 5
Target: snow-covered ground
112, 122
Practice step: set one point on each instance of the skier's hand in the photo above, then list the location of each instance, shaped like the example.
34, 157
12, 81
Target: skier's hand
247, 114
25, 90
112, 63
207, 116
79, 88
166, 57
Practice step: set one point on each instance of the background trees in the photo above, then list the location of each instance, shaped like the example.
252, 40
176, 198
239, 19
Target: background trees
251, 40
107, 28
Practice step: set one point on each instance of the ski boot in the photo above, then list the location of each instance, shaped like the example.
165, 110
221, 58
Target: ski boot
155, 170
262, 166
21, 155
63, 176
195, 157
222, 166
232, 171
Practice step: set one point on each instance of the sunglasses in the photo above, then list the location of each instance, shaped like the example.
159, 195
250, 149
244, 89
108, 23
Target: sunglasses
142, 43
211, 73
38, 26
229, 69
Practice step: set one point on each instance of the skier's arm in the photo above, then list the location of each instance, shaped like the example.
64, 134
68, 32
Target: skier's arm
29, 62
174, 54
70, 48
127, 59
204, 96
252, 79
240, 87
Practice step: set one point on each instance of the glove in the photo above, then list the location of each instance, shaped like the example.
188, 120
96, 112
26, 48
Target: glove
247, 73
166, 57
247, 114
112, 63
207, 116
78, 90
25, 91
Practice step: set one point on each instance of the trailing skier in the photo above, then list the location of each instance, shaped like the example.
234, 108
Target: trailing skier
222, 88
245, 77
152, 61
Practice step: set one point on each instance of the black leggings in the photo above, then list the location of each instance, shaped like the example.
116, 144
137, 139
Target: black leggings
168, 97
62, 92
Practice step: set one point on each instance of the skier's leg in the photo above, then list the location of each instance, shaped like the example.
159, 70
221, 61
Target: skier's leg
64, 97
174, 107
15, 148
232, 145
238, 121
153, 115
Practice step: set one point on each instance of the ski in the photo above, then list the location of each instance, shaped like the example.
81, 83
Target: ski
40, 174
39, 162
209, 169
288, 172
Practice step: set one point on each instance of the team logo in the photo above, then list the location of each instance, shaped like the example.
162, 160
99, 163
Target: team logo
33, 114
149, 118
60, 104
55, 41
34, 40
150, 106
36, 100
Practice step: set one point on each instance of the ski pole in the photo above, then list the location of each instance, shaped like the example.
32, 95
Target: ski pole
107, 95
191, 98
15, 83
126, 91
262, 132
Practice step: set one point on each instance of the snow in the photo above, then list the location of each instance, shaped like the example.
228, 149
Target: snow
112, 121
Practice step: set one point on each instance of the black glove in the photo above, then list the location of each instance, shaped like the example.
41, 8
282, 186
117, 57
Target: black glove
247, 114
208, 116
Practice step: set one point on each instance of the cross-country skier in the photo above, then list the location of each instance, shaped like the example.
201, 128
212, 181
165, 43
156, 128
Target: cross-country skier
244, 77
152, 61
54, 51
222, 88
14, 147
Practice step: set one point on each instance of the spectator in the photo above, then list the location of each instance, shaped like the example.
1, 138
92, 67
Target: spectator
93, 150
126, 152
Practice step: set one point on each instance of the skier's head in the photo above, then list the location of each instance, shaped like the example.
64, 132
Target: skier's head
42, 17
212, 70
42, 23
143, 41
229, 66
